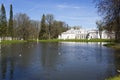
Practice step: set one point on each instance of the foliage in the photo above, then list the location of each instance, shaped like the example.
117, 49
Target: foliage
57, 28
10, 26
22, 26
50, 28
3, 22
49, 20
114, 78
110, 9
43, 29
34, 29
100, 26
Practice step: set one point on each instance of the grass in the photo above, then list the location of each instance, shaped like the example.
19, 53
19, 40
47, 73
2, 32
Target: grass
114, 78
55, 40
113, 45
76, 40
11, 41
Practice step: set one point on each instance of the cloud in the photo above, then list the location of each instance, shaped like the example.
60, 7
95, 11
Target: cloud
33, 8
62, 6
68, 7
80, 18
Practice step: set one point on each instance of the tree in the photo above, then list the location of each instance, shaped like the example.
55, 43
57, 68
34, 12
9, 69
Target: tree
43, 29
22, 25
57, 28
50, 20
110, 9
100, 26
51, 28
10, 27
34, 29
3, 22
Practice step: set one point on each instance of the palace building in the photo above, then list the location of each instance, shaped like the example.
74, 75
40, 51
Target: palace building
82, 34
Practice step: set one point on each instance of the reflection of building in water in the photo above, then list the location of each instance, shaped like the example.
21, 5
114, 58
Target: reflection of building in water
82, 34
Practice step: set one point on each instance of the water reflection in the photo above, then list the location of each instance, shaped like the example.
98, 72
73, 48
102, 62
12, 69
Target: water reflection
117, 59
49, 54
7, 62
58, 61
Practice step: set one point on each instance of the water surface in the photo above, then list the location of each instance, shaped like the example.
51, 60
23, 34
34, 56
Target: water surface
58, 61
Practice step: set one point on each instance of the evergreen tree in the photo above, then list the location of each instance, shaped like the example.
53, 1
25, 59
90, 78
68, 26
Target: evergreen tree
3, 22
10, 28
43, 29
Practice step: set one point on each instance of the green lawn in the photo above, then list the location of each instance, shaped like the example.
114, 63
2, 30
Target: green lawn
57, 40
114, 78
11, 41
76, 40
113, 45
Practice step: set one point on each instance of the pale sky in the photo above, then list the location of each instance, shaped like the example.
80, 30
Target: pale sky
73, 12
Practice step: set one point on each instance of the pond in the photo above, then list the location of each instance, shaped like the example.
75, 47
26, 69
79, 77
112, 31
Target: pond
58, 61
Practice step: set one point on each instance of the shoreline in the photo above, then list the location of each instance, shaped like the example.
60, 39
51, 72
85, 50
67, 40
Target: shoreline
113, 45
75, 40
55, 40
114, 78
12, 41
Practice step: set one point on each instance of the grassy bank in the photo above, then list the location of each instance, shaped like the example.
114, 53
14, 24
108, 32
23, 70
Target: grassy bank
56, 40
113, 45
11, 41
114, 78
76, 40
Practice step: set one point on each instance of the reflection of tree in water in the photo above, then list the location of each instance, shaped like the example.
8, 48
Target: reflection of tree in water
117, 59
25, 53
105, 56
13, 58
12, 69
3, 62
7, 62
99, 52
49, 54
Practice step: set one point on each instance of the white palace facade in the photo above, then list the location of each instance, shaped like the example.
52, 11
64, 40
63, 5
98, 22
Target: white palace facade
82, 34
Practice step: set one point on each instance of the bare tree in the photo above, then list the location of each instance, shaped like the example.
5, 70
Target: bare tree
100, 26
110, 9
50, 20
57, 28
34, 30
22, 26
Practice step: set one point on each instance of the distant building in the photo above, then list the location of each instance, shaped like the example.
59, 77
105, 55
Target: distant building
10, 38
82, 34
73, 34
0, 39
5, 38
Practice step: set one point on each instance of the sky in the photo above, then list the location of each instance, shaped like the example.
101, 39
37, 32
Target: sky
73, 12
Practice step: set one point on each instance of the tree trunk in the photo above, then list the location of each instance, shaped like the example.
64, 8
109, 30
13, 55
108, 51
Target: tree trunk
117, 32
